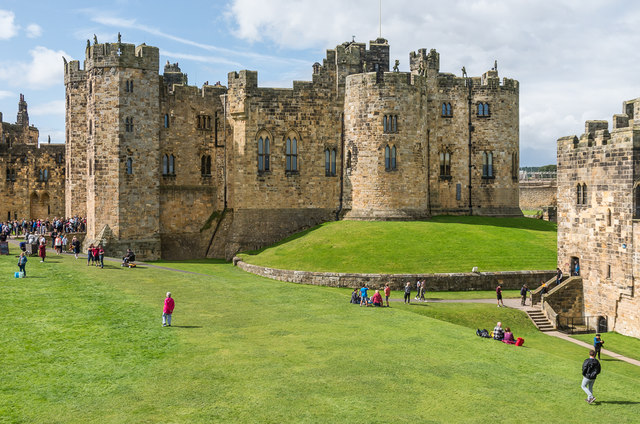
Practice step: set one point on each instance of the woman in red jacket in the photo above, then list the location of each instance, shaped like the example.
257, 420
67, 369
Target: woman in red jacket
42, 251
169, 304
377, 298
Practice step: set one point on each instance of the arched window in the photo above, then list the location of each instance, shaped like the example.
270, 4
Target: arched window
446, 109
90, 127
608, 217
90, 167
203, 165
291, 153
129, 166
445, 164
449, 113
208, 165
387, 158
349, 159
584, 194
263, 154
579, 194
165, 164
487, 164
172, 165
327, 162
45, 175
166, 120
483, 109
384, 124
636, 199
393, 157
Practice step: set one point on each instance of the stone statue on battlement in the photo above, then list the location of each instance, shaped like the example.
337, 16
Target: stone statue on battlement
119, 38
396, 66
464, 72
95, 39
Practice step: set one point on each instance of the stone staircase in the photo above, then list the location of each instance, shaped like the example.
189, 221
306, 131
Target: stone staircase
540, 320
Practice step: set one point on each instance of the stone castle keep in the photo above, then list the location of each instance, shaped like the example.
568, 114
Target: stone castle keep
599, 217
32, 176
177, 171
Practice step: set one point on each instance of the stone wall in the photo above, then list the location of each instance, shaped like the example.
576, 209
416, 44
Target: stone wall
179, 126
537, 194
597, 227
435, 282
26, 192
566, 299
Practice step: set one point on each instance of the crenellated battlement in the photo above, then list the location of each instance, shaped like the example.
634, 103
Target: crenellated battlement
387, 80
105, 55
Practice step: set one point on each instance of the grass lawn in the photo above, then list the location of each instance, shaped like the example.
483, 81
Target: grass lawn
624, 345
442, 244
85, 345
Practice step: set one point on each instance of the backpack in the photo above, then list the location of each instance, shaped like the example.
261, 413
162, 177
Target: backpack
483, 333
520, 341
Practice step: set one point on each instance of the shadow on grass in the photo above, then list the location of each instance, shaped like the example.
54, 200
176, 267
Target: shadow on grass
617, 402
189, 261
514, 222
187, 326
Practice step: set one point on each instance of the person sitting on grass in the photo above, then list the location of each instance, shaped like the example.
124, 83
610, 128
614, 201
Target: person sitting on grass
128, 258
508, 336
377, 298
498, 332
355, 299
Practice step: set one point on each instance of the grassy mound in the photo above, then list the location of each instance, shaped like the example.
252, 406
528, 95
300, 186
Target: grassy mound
443, 244
85, 345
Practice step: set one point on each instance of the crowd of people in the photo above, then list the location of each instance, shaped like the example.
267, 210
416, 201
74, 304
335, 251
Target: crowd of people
17, 228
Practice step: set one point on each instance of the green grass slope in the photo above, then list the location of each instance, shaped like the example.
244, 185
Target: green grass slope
84, 345
442, 244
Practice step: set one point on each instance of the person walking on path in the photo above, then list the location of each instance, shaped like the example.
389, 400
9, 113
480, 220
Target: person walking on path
590, 370
387, 293
422, 290
597, 344
559, 276
407, 293
22, 263
418, 285
499, 295
75, 244
523, 294
169, 304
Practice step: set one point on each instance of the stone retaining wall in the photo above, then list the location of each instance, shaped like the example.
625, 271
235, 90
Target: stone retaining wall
510, 280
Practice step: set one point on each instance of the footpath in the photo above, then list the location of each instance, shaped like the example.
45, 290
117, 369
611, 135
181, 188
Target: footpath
509, 303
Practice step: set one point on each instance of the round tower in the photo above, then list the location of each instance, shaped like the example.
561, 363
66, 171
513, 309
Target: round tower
385, 147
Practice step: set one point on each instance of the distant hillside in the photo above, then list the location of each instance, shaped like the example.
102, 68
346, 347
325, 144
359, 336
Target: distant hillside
442, 244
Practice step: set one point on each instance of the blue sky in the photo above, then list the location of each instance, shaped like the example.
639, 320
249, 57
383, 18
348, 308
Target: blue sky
575, 59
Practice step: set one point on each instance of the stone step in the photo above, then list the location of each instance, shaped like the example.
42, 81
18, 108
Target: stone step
540, 320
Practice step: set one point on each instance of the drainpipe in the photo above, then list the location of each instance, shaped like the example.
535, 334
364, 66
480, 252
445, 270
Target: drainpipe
470, 130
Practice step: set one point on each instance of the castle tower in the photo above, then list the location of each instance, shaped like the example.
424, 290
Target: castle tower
173, 75
385, 153
75, 81
23, 116
122, 147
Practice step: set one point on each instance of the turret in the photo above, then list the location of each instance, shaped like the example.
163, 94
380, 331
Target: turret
23, 116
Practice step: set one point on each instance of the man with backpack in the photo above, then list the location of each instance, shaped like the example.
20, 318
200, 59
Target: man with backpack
523, 294
590, 370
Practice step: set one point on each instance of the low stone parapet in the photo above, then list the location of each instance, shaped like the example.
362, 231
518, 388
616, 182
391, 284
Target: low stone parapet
510, 280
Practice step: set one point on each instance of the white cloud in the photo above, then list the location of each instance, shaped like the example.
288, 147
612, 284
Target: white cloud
54, 107
33, 31
8, 28
4, 93
44, 70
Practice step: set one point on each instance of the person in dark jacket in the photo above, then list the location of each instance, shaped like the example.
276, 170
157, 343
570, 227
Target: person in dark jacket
590, 370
